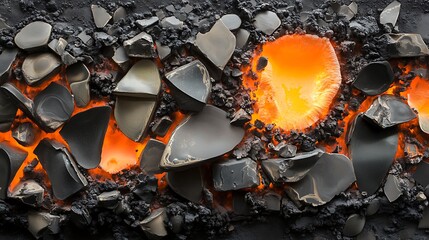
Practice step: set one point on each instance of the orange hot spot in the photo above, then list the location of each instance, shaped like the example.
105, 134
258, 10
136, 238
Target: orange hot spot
297, 87
418, 96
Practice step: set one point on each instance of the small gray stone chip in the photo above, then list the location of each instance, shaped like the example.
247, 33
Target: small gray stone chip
406, 45
24, 134
7, 57
151, 157
231, 21
163, 51
160, 128
374, 78
392, 189
235, 174
100, 15
28, 192
141, 45
40, 223
390, 14
354, 225
119, 14
242, 37
267, 22
172, 22
109, 200
33, 36
154, 225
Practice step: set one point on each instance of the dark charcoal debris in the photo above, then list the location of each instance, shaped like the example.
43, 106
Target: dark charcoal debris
7, 112
7, 57
29, 192
25, 134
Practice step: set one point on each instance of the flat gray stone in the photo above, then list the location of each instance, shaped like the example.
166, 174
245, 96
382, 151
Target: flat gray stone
235, 174
154, 225
190, 86
141, 45
231, 21
267, 22
172, 22
330, 176
85, 38
100, 15
142, 81
406, 45
7, 112
390, 14
78, 77
392, 189
33, 36
186, 183
354, 225
372, 150
24, 134
151, 157
240, 117
242, 37
119, 14
147, 22
389, 110
121, 58
40, 223
200, 137
7, 57
28, 192
39, 67
374, 78
11, 159
217, 45
163, 51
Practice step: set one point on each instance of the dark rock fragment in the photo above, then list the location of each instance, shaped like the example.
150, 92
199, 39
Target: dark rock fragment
24, 134
374, 78
151, 157
154, 226
160, 128
33, 36
240, 117
235, 174
392, 189
29, 192
406, 45
10, 161
172, 22
354, 225
421, 173
7, 112
141, 45
7, 57
187, 183
109, 200
40, 223
262, 63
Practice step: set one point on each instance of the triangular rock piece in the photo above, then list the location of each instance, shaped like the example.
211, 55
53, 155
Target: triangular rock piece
190, 86
78, 77
187, 183
374, 78
200, 137
100, 15
390, 14
235, 174
84, 133
10, 160
7, 57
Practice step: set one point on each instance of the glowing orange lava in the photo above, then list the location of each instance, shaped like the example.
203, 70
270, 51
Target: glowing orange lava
296, 88
418, 98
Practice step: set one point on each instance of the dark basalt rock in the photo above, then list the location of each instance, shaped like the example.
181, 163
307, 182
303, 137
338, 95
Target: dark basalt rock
146, 189
372, 150
63, 173
141, 45
154, 225
267, 22
7, 112
388, 110
374, 78
331, 175
190, 86
406, 45
7, 57
39, 67
84, 134
78, 77
10, 160
41, 223
24, 134
29, 192
390, 14
100, 15
187, 183
392, 189
354, 225
421, 173
235, 174
160, 128
200, 137
217, 45
262, 63
293, 169
151, 157
240, 117
109, 200
273, 201
33, 36
231, 21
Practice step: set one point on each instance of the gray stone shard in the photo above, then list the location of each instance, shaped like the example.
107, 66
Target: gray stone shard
354, 225
231, 21
267, 22
39, 67
11, 159
200, 137
354, 7
100, 15
240, 117
330, 176
186, 183
7, 57
406, 45
119, 14
41, 223
190, 86
242, 37
78, 77
172, 22
293, 169
160, 128
105, 39
392, 188
58, 46
33, 36
7, 112
421, 173
163, 51
390, 14
151, 157
63, 173
24, 134
372, 150
147, 22
285, 150
109, 200
374, 78
121, 58
85, 38
29, 192
235, 174
389, 110
154, 225
347, 12
217, 45
141, 45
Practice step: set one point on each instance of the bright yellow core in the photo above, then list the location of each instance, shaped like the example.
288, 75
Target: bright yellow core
296, 88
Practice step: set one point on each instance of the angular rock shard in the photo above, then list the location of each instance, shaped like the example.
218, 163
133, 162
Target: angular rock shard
154, 225
78, 77
29, 192
63, 173
33, 36
392, 189
7, 112
331, 175
40, 223
39, 67
267, 22
390, 14
389, 110
235, 174
7, 57
109, 200
151, 157
10, 160
217, 45
293, 169
144, 23
163, 51
121, 58
160, 128
406, 45
141, 45
187, 183
24, 134
347, 12
100, 15
231, 21
354, 225
119, 14
190, 86
374, 78
84, 134
200, 137
372, 150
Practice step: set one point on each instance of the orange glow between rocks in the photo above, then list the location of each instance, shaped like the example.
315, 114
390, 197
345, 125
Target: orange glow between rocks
297, 87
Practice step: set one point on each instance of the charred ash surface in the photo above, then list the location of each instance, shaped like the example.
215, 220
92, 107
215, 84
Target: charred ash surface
86, 214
